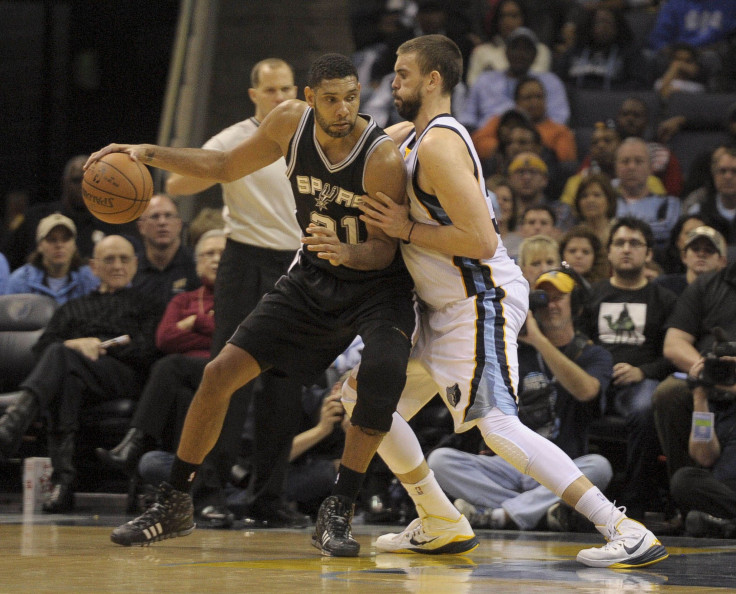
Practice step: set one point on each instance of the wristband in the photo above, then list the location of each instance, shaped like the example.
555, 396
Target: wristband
408, 239
702, 426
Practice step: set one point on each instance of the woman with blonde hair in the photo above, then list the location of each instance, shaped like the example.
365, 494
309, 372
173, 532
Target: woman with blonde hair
538, 254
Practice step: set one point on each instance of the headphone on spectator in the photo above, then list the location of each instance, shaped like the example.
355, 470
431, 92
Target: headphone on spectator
579, 296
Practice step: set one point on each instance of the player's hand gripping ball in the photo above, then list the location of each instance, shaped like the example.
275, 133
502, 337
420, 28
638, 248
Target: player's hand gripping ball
117, 189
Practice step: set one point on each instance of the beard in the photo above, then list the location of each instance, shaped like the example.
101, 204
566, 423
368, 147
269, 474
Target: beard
409, 108
630, 274
329, 131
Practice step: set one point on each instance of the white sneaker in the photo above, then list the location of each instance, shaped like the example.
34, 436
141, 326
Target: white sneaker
430, 535
630, 544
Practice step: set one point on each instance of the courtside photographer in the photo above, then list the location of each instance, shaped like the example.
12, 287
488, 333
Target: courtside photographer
706, 493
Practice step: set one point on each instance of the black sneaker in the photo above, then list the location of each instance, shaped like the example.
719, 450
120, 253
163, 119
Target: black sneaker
172, 515
699, 523
332, 533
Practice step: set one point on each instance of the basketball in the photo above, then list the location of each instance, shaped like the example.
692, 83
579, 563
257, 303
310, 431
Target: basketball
117, 189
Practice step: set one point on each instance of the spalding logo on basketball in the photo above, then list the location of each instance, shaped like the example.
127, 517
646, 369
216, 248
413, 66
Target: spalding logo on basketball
117, 189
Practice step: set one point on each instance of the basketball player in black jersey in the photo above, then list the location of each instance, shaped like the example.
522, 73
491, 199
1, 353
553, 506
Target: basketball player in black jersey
347, 279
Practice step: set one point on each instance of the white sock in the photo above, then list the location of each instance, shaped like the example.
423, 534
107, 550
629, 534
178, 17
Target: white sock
597, 508
430, 499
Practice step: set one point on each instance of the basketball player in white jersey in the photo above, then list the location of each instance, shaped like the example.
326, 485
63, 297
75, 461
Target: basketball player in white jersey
473, 302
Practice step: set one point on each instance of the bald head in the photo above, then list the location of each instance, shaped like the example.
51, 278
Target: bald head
633, 167
114, 262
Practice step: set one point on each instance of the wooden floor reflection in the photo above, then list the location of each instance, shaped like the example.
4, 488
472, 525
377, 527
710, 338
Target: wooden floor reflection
74, 554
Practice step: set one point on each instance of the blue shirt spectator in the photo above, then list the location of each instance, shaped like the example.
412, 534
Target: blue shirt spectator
699, 23
55, 268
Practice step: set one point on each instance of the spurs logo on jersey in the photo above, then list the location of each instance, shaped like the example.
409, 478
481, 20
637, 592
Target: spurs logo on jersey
326, 193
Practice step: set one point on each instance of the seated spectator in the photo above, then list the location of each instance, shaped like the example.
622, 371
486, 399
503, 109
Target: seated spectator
595, 203
507, 214
707, 492
508, 15
704, 251
529, 97
75, 368
55, 269
626, 315
538, 220
558, 397
538, 254
659, 212
605, 54
707, 303
493, 91
4, 274
683, 73
719, 205
166, 266
699, 23
672, 259
528, 177
633, 120
185, 335
583, 252
602, 159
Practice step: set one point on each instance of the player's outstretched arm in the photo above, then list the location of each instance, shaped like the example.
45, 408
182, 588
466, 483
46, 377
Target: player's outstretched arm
183, 185
446, 171
265, 146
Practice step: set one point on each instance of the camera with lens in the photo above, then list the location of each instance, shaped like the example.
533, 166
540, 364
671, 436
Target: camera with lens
538, 300
718, 371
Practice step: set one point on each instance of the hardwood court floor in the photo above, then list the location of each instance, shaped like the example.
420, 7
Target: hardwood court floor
74, 554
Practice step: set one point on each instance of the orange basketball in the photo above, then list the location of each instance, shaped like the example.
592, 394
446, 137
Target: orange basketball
117, 189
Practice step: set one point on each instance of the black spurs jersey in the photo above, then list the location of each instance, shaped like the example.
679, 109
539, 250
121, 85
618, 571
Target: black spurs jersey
327, 194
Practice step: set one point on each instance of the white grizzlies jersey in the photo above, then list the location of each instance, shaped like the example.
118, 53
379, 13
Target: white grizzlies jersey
441, 279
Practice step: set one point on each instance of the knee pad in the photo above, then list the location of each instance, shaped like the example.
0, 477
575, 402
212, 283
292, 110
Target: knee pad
499, 434
348, 393
528, 451
381, 378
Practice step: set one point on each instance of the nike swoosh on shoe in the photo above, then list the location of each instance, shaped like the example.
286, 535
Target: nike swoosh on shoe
632, 550
418, 543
